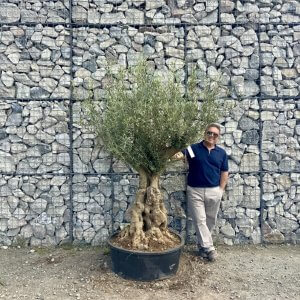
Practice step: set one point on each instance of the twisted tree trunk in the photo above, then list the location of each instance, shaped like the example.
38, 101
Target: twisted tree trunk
148, 226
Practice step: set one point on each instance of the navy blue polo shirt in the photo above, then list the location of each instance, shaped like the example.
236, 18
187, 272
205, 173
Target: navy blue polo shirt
206, 167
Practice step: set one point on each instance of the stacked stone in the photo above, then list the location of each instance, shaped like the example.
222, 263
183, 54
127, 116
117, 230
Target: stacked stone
281, 161
34, 140
280, 135
257, 58
92, 208
102, 204
240, 136
229, 51
280, 60
34, 210
123, 46
260, 11
238, 221
282, 207
34, 137
34, 62
34, 11
145, 12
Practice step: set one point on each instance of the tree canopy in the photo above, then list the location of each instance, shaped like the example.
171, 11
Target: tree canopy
148, 118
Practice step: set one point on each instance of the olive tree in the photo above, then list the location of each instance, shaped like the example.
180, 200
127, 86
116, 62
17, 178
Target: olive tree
145, 121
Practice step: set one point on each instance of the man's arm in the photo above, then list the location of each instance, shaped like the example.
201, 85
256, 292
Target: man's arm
223, 180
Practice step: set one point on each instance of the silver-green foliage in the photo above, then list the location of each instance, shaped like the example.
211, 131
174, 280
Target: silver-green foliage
147, 123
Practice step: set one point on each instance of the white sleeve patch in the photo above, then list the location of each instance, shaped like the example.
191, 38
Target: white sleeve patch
191, 152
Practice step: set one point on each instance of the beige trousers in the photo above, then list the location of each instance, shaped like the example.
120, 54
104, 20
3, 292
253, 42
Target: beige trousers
203, 206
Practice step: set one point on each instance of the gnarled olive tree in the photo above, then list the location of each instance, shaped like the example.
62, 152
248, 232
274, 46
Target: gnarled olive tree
146, 120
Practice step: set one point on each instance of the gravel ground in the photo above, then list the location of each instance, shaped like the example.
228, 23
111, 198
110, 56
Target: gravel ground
241, 272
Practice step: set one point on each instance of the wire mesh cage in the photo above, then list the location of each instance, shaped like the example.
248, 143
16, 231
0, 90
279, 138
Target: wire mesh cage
245, 11
143, 12
34, 137
27, 11
35, 62
57, 184
34, 210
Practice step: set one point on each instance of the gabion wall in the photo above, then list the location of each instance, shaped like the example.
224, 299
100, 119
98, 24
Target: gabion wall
56, 186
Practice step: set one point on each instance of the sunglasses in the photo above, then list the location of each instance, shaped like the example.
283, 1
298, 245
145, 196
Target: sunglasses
210, 133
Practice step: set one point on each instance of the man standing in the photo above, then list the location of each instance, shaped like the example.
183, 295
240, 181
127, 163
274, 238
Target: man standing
207, 178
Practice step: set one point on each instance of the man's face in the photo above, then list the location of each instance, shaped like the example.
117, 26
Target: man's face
212, 135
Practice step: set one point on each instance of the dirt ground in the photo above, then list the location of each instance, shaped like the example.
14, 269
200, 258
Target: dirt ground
241, 272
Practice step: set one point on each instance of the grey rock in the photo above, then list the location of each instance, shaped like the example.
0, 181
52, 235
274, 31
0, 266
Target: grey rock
26, 231
38, 230
251, 74
250, 163
228, 231
38, 93
227, 6
286, 225
267, 59
113, 18
211, 18
15, 119
14, 223
60, 234
93, 16
39, 206
7, 162
246, 123
79, 14
207, 43
101, 237
254, 61
9, 13
135, 16
248, 37
251, 88
250, 137
8, 81
4, 211
228, 18
22, 91
3, 134
287, 165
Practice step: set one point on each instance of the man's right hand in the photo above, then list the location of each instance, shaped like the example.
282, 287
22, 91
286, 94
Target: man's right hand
178, 156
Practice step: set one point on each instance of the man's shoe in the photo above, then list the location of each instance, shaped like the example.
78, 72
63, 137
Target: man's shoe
212, 255
203, 253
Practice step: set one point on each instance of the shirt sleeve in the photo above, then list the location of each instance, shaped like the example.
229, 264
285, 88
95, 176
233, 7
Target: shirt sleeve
224, 167
186, 153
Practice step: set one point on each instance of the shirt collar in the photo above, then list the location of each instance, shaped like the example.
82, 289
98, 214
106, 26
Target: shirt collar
215, 148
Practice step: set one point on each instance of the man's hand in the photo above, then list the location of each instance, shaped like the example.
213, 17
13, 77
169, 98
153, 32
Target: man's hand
223, 180
178, 156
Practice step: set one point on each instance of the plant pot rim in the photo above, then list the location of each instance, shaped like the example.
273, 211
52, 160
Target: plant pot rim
153, 253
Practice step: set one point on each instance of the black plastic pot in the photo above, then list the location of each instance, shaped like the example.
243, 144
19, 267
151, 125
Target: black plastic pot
145, 266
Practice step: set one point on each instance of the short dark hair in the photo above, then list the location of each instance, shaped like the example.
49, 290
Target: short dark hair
213, 125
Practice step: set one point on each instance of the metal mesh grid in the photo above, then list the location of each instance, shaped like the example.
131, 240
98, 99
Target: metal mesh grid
35, 62
28, 11
245, 11
229, 52
34, 208
142, 12
55, 186
280, 49
34, 137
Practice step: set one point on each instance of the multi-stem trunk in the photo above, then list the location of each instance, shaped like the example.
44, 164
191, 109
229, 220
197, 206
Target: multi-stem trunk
148, 224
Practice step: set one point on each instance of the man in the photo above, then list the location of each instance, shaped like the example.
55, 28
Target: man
207, 178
